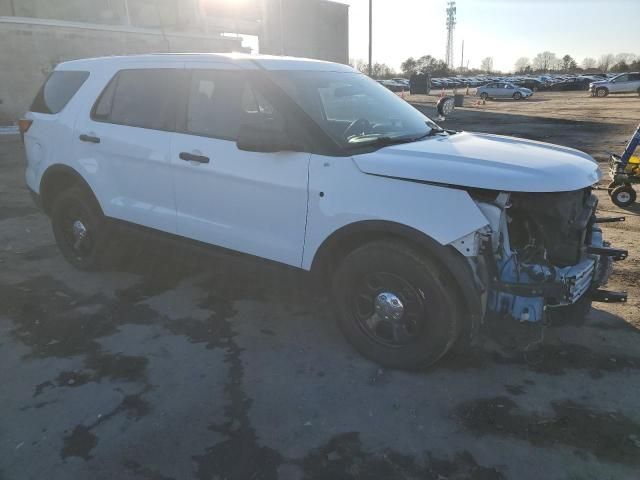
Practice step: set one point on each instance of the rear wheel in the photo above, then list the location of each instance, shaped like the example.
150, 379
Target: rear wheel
623, 196
484, 95
602, 92
517, 96
396, 305
79, 228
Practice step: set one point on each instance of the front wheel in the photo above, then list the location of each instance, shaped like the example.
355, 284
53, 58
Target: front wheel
395, 305
484, 95
602, 92
79, 228
517, 96
623, 196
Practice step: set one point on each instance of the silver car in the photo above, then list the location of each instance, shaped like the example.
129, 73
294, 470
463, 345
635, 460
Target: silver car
503, 90
623, 83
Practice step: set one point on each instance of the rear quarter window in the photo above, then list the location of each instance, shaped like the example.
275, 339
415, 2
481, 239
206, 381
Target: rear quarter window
58, 89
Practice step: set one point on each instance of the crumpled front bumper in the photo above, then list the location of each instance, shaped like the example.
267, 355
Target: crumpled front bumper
525, 291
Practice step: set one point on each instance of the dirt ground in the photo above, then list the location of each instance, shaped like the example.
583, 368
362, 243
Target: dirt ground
177, 364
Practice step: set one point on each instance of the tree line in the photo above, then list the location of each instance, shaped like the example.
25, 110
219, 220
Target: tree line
543, 62
548, 62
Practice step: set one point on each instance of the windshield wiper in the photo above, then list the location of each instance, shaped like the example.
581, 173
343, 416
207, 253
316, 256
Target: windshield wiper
385, 141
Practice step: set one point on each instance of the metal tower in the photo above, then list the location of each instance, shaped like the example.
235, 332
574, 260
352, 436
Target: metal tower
451, 24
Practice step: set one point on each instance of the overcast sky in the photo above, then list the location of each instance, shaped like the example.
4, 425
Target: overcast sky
503, 29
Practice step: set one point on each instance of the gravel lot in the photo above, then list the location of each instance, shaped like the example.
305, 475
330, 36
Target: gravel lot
178, 364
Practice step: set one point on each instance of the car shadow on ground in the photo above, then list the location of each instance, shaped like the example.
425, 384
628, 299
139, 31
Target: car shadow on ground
162, 264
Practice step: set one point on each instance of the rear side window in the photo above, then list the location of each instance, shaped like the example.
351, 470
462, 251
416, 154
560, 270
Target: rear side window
58, 89
145, 98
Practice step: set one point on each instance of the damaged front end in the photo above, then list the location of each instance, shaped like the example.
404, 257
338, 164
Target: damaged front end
543, 251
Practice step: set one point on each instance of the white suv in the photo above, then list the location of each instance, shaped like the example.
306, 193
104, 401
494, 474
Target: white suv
623, 83
423, 232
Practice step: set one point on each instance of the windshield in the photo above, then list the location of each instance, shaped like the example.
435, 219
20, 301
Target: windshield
353, 109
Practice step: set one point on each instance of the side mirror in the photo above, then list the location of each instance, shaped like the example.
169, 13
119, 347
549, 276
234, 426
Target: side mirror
262, 137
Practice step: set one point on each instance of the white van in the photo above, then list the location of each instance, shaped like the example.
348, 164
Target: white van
422, 232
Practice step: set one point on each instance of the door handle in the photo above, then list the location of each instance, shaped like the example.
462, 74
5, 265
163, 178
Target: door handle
190, 157
89, 138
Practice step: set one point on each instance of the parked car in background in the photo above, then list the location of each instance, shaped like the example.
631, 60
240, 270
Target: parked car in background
569, 84
503, 90
623, 83
532, 84
393, 85
401, 81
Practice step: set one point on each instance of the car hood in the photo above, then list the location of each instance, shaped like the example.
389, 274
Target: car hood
486, 161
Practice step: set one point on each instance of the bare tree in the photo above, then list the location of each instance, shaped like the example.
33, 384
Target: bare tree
522, 64
487, 64
382, 70
568, 63
606, 61
545, 61
409, 66
588, 63
625, 58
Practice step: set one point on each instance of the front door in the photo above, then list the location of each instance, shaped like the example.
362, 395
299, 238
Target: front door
252, 202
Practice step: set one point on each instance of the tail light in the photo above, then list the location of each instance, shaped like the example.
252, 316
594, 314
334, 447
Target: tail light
23, 126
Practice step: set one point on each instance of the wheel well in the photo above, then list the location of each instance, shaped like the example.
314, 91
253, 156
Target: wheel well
57, 179
347, 239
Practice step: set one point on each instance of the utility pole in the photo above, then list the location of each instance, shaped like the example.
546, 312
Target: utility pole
282, 49
370, 37
451, 23
462, 59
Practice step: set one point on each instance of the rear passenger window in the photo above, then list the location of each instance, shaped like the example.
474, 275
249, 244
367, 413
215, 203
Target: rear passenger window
215, 104
145, 98
58, 89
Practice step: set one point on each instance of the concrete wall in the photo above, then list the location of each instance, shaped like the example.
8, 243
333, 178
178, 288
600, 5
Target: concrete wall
306, 28
30, 51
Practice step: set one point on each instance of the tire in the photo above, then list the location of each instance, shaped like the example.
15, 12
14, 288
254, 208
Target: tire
623, 196
602, 92
484, 95
517, 96
79, 228
366, 289
611, 187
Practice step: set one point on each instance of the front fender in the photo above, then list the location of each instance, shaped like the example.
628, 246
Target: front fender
340, 195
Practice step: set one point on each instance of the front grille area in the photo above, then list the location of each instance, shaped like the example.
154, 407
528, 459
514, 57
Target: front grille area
579, 279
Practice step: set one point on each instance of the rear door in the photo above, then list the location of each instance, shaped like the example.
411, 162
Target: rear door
250, 202
634, 82
498, 90
620, 84
124, 144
